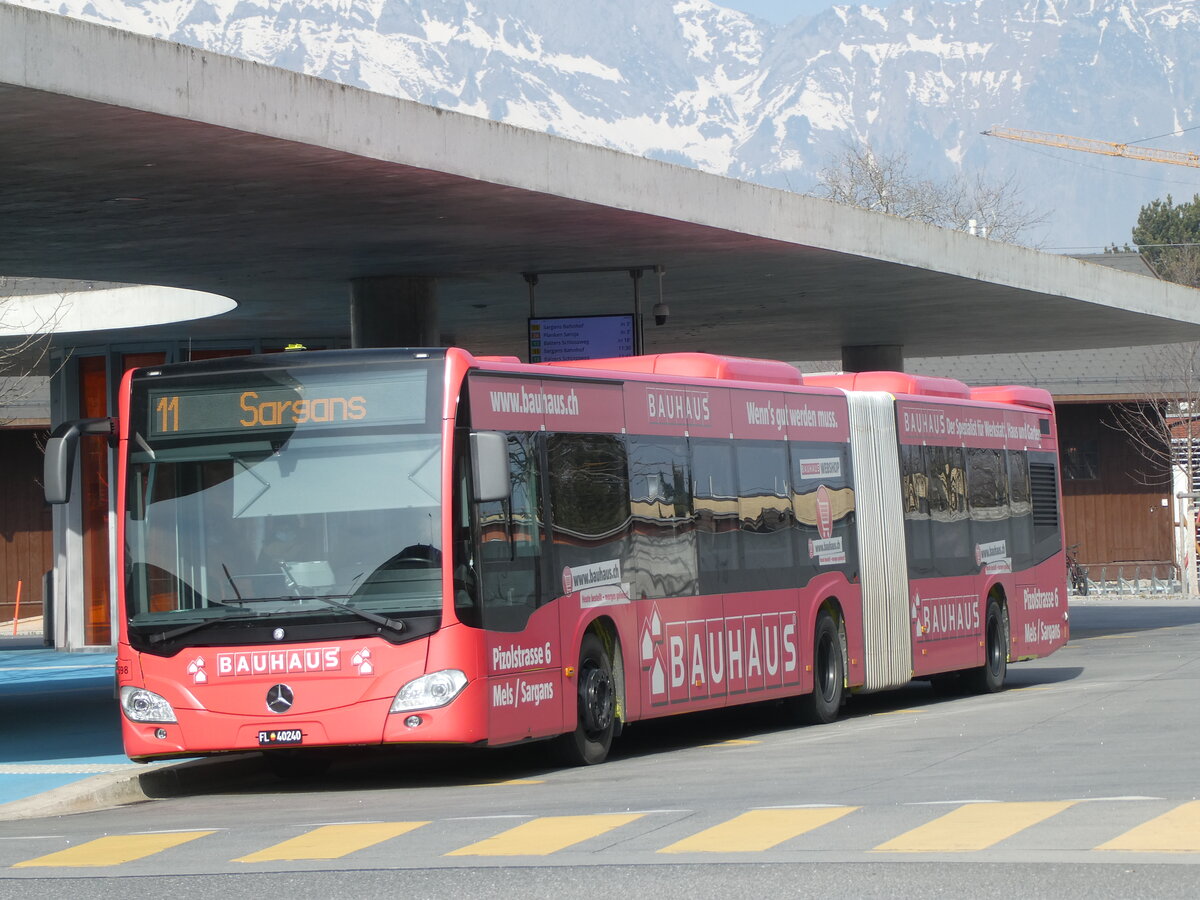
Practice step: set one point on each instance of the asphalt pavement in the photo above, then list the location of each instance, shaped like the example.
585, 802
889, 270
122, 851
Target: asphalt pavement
60, 727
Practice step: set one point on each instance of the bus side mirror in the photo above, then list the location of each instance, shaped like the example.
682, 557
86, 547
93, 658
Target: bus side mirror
489, 461
59, 462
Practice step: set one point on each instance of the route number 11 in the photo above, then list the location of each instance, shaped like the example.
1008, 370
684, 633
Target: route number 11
168, 411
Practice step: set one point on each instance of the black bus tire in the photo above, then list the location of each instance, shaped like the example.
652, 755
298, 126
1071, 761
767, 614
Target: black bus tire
595, 719
989, 678
829, 675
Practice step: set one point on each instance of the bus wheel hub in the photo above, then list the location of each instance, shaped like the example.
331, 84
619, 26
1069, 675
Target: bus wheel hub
596, 699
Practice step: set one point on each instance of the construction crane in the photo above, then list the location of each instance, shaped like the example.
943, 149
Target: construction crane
1090, 145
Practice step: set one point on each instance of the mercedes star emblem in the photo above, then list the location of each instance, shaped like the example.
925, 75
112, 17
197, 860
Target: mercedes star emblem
279, 698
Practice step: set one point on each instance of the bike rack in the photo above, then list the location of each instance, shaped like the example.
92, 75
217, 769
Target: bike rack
1145, 578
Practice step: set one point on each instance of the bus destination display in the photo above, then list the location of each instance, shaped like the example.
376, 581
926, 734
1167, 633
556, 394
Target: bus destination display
228, 410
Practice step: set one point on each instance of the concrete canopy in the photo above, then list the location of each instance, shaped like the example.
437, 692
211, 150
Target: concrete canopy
127, 159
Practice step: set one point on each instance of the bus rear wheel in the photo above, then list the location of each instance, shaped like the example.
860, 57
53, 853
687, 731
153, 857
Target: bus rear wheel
989, 678
829, 675
596, 705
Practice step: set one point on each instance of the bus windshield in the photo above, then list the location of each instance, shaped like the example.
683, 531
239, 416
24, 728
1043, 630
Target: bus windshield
308, 499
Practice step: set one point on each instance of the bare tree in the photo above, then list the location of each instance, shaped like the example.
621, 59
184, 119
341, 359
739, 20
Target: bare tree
1179, 264
24, 346
1153, 423
860, 176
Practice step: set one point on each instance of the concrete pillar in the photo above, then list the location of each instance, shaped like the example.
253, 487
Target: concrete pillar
873, 358
394, 311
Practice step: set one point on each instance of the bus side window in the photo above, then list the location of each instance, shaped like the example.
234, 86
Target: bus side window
661, 561
716, 502
949, 521
1020, 509
765, 516
822, 477
915, 490
589, 499
987, 498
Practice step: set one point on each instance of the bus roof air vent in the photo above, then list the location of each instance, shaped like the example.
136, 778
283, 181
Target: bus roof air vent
1008, 393
697, 365
894, 383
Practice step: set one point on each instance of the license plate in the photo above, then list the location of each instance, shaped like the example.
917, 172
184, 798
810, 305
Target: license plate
280, 736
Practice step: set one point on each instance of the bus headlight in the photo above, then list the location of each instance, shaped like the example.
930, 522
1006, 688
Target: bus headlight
141, 705
429, 691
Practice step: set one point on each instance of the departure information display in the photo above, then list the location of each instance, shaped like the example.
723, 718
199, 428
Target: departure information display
580, 337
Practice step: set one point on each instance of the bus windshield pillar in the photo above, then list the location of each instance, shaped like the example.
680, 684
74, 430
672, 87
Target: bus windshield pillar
394, 312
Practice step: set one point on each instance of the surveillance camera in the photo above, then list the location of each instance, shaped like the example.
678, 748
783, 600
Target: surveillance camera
661, 311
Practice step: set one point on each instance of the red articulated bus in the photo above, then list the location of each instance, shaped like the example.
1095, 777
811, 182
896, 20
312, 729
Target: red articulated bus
374, 547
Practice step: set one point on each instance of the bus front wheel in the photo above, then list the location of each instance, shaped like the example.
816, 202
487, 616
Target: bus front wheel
596, 704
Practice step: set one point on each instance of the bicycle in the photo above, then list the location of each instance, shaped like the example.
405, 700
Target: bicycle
1076, 573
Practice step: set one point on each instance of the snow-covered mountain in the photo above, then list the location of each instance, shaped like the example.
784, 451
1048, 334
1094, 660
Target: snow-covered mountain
691, 82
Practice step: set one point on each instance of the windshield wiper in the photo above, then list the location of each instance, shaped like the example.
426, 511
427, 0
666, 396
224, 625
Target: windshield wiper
396, 625
164, 636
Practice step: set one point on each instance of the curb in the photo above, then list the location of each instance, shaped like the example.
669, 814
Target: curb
152, 782
1134, 600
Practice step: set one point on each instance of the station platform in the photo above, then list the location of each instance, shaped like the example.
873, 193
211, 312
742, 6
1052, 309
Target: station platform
59, 721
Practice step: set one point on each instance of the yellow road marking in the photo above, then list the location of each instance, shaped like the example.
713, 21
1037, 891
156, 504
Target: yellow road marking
113, 850
975, 826
332, 841
734, 742
758, 829
546, 835
511, 782
1177, 831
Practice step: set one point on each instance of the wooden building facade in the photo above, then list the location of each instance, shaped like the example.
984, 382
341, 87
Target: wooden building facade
25, 524
1117, 504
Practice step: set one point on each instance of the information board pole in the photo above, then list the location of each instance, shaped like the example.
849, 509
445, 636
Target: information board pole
592, 336
636, 275
531, 279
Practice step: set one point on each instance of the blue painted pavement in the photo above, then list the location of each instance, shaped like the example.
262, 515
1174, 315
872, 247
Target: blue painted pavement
59, 721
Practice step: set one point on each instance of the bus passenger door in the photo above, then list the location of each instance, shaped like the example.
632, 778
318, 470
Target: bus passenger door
521, 627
